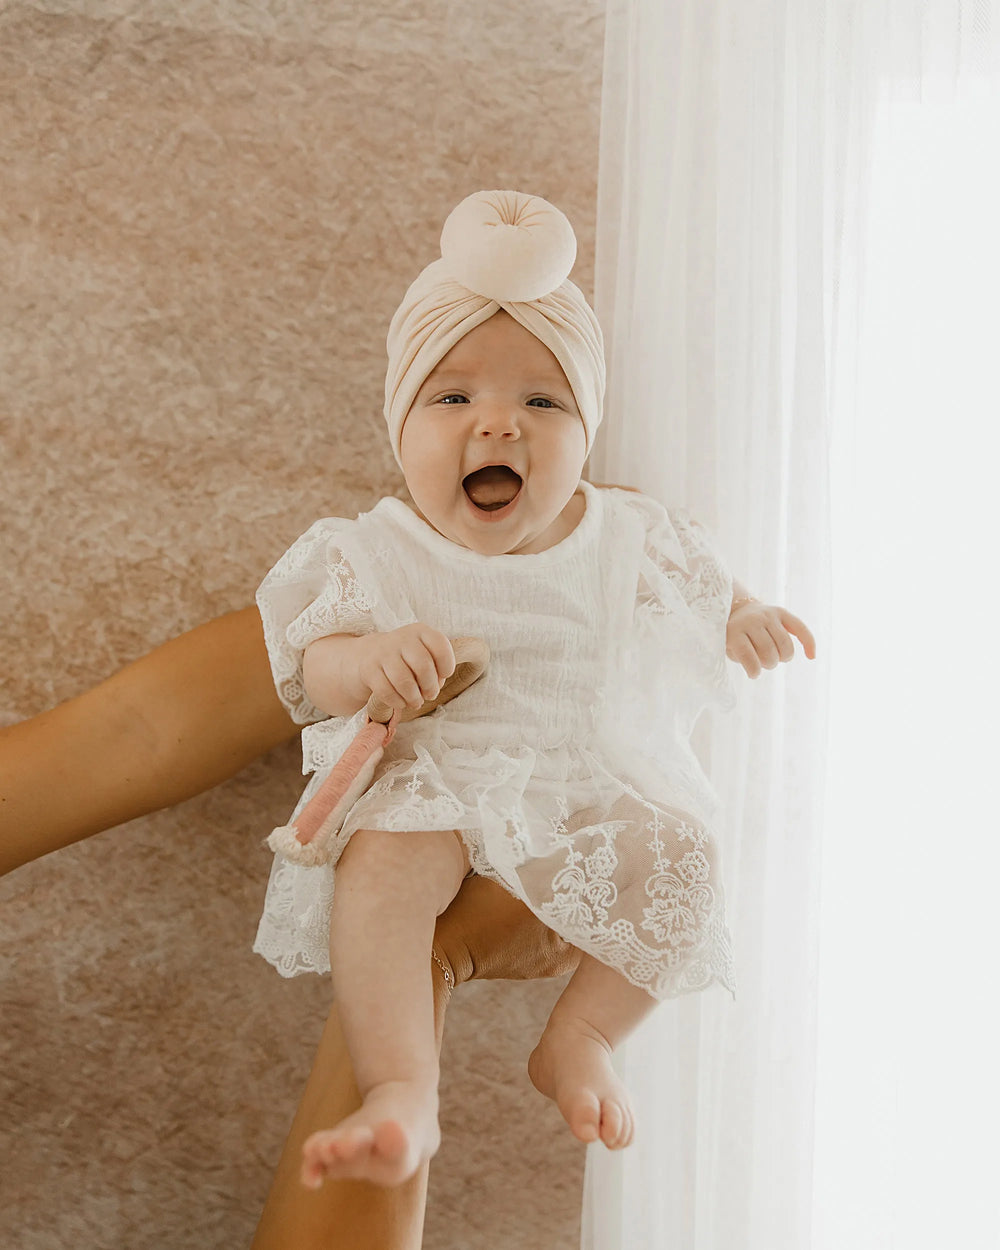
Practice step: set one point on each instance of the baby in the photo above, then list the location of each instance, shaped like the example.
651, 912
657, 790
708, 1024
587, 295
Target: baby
565, 773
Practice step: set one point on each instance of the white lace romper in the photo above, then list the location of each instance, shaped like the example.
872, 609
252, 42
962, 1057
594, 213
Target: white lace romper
567, 767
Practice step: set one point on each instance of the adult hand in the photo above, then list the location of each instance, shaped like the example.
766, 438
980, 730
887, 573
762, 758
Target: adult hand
488, 934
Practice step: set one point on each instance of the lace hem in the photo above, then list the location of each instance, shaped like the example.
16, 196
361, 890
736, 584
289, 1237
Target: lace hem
632, 882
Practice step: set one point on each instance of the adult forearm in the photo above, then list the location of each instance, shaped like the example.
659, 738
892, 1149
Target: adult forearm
174, 723
485, 932
341, 1215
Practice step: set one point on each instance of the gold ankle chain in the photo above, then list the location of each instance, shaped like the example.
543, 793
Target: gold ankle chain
449, 976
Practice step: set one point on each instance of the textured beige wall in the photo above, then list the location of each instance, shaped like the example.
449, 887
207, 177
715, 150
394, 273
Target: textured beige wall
208, 211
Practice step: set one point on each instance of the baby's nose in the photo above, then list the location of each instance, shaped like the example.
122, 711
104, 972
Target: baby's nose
498, 421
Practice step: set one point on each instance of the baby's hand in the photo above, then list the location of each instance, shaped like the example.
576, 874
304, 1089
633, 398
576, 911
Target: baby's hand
405, 667
758, 636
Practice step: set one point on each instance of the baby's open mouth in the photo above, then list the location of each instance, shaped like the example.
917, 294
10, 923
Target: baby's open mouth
492, 487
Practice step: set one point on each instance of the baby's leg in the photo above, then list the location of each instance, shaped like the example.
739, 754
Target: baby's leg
390, 889
572, 1062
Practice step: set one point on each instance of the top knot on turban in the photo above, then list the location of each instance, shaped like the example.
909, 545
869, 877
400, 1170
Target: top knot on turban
499, 250
507, 246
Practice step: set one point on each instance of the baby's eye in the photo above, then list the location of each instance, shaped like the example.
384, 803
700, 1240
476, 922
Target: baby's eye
458, 399
542, 402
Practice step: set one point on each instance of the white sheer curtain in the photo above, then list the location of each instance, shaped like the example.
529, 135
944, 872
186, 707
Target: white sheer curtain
737, 152
909, 1029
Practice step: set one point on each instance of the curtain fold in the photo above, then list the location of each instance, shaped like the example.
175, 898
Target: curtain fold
734, 170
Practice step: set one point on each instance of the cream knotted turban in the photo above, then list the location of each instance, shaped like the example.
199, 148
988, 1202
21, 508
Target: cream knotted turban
499, 249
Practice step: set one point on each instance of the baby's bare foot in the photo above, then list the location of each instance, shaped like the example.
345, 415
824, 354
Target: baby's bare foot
572, 1065
384, 1141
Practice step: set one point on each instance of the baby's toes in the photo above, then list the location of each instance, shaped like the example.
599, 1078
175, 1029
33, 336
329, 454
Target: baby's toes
612, 1123
332, 1147
315, 1157
351, 1143
326, 1152
584, 1116
311, 1172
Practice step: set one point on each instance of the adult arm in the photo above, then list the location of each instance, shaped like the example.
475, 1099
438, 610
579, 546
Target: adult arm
484, 933
174, 723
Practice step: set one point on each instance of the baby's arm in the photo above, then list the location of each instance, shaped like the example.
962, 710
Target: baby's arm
403, 667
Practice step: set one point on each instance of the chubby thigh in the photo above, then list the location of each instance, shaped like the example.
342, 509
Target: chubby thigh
418, 869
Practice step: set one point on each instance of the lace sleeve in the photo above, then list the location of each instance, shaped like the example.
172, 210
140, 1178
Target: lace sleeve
683, 600
311, 592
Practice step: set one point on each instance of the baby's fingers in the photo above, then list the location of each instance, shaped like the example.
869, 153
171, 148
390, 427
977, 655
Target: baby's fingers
767, 644
441, 652
801, 631
742, 651
413, 676
784, 646
401, 689
431, 659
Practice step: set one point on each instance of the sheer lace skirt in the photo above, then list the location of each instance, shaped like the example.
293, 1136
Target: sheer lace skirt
631, 879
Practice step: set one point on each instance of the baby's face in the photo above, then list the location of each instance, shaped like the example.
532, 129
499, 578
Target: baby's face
499, 398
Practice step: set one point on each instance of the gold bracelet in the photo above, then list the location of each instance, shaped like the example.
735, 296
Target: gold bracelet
449, 976
742, 599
